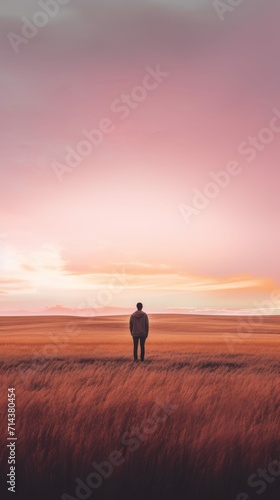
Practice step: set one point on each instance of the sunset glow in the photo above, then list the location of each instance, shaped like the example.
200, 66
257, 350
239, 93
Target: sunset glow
113, 119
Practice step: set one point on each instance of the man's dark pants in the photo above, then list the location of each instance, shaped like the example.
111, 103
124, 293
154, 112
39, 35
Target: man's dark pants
142, 345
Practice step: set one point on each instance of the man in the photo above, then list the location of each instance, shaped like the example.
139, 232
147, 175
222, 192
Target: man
139, 329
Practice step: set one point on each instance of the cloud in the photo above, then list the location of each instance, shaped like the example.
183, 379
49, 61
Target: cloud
13, 285
234, 311
46, 270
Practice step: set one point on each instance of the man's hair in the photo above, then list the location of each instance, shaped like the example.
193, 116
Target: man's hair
139, 306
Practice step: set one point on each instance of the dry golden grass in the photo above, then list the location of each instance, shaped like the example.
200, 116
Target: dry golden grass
78, 392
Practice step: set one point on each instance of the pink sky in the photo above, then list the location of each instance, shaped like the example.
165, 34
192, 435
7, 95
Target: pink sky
118, 211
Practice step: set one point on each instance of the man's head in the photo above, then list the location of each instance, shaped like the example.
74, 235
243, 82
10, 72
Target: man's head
139, 306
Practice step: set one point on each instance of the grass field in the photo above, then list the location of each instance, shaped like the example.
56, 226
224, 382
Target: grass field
194, 421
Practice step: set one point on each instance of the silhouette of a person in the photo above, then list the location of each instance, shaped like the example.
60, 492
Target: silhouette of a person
139, 329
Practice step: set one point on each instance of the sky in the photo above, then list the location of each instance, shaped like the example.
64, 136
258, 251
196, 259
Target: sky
139, 155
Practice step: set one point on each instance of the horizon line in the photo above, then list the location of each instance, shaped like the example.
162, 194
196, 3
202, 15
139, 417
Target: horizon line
198, 313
